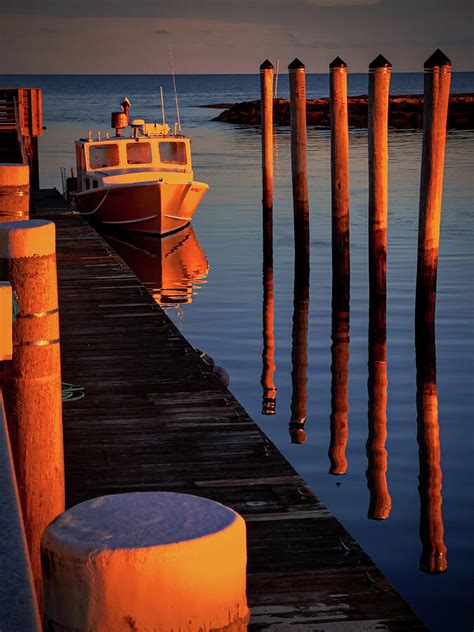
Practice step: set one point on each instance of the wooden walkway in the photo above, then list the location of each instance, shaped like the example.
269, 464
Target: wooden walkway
156, 418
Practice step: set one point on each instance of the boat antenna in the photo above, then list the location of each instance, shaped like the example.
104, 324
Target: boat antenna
175, 91
162, 106
276, 79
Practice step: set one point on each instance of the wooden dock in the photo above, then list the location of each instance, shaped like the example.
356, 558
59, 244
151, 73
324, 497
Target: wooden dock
156, 418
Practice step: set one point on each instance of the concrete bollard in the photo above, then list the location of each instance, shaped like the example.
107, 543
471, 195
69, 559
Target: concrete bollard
379, 83
434, 552
14, 193
31, 381
436, 98
299, 169
380, 501
339, 168
148, 561
266, 109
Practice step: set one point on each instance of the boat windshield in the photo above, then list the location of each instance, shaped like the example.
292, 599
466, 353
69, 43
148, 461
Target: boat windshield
101, 156
173, 153
138, 153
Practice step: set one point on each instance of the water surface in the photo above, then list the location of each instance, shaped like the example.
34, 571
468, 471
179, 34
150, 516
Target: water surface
224, 317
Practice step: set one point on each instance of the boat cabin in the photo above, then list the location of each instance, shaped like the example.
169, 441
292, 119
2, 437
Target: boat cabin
133, 159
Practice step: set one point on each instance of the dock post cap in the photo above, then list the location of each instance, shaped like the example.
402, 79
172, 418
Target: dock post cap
164, 560
438, 58
266, 65
27, 238
338, 63
296, 64
379, 62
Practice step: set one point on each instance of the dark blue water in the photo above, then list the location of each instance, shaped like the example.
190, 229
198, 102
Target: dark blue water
225, 315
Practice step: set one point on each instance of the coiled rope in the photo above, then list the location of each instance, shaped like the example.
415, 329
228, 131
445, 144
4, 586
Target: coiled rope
72, 392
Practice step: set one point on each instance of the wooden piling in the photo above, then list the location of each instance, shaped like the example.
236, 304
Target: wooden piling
14, 192
266, 109
339, 168
299, 351
434, 552
380, 501
31, 381
436, 97
379, 83
299, 170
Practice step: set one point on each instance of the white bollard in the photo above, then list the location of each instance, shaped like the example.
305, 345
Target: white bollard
147, 561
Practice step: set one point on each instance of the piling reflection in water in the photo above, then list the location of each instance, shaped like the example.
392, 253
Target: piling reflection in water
171, 267
299, 349
380, 501
339, 372
434, 552
268, 355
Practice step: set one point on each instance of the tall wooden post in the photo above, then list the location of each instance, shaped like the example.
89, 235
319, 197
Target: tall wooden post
299, 351
299, 170
339, 169
340, 266
380, 501
379, 83
31, 381
266, 109
434, 552
436, 98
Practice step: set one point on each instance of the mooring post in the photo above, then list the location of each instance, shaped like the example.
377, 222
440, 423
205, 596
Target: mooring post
340, 266
379, 83
299, 169
436, 99
14, 193
380, 502
266, 109
339, 169
434, 552
146, 561
31, 381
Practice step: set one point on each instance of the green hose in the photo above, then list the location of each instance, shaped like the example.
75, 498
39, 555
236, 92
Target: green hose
72, 392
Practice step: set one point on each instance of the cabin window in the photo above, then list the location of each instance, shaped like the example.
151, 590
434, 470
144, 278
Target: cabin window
103, 156
173, 153
88, 183
95, 184
138, 153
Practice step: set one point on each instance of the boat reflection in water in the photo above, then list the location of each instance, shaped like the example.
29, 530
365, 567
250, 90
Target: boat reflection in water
172, 268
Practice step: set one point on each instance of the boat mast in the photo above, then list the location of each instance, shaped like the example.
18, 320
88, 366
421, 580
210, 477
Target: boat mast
276, 79
175, 91
162, 106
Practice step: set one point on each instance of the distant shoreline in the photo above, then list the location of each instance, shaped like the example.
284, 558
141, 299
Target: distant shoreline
405, 112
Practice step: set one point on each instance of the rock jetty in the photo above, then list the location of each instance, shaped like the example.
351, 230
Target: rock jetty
405, 112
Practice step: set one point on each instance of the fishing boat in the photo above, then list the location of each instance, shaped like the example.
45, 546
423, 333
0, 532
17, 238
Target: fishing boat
142, 181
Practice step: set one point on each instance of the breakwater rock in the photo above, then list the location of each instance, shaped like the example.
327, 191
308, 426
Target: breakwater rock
405, 112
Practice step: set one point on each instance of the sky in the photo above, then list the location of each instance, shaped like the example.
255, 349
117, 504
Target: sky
228, 36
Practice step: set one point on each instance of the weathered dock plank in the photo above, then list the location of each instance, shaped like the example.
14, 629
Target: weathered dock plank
155, 417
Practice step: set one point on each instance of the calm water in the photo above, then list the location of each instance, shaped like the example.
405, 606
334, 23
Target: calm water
211, 282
